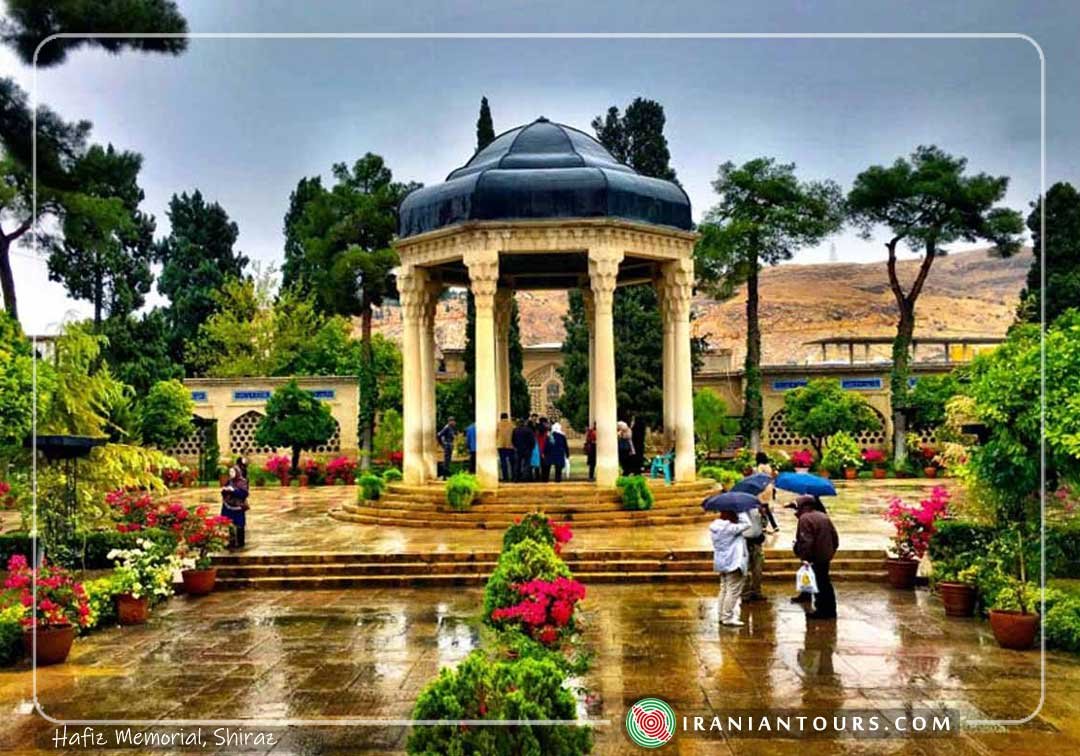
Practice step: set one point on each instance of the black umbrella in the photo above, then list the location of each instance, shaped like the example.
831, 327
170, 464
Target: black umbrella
731, 501
753, 484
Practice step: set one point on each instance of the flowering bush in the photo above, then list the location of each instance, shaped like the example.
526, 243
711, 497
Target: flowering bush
60, 599
313, 469
521, 563
916, 524
340, 468
546, 609
873, 457
278, 465
928, 454
802, 458
144, 571
172, 476
202, 534
137, 510
537, 527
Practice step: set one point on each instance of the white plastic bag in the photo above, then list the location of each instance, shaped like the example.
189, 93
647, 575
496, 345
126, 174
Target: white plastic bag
805, 580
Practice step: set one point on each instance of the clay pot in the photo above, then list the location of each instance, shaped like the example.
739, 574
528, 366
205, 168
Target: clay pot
131, 610
303, 481
902, 572
850, 473
1013, 629
199, 582
958, 598
879, 472
53, 643
930, 472
824, 473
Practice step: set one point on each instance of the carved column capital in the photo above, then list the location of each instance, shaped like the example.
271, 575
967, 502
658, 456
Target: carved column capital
676, 287
603, 272
412, 291
483, 265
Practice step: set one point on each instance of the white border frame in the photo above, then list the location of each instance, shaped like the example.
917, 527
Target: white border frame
370, 722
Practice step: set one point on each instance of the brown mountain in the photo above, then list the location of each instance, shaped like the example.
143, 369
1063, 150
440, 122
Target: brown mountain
968, 294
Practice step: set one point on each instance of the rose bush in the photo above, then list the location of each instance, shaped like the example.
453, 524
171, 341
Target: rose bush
915, 525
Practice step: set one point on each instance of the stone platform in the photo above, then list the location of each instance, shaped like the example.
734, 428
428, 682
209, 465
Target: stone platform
584, 504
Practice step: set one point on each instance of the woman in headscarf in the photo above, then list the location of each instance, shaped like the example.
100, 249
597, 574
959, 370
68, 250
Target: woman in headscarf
626, 447
234, 502
556, 453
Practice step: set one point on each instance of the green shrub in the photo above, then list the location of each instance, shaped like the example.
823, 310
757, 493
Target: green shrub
533, 527
522, 562
87, 549
841, 451
1061, 621
461, 489
634, 492
391, 475
371, 487
722, 475
11, 635
101, 595
482, 688
963, 540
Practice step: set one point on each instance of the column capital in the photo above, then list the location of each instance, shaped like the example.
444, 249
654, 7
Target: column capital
676, 287
412, 291
483, 265
603, 272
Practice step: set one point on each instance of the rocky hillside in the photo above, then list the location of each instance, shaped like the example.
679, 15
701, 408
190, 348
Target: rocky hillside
968, 293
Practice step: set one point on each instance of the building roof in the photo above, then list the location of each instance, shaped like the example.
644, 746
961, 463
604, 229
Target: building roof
544, 170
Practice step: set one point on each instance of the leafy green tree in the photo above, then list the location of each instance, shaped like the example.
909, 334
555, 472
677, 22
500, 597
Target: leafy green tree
712, 425
764, 215
16, 383
389, 434
823, 408
77, 393
165, 414
136, 350
929, 397
637, 137
107, 241
1062, 244
926, 201
294, 418
485, 129
197, 258
347, 234
30, 22
294, 273
453, 399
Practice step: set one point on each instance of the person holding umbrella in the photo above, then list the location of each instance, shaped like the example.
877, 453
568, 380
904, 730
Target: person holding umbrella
758, 485
816, 543
730, 556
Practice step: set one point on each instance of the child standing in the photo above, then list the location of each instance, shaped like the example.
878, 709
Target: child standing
730, 560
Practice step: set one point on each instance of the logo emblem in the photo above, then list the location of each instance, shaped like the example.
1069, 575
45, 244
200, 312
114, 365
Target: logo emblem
650, 723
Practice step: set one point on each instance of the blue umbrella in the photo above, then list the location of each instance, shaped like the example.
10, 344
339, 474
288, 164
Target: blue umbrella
753, 484
731, 501
805, 483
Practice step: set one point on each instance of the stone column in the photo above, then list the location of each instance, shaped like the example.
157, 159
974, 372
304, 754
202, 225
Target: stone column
504, 299
483, 265
603, 270
411, 282
678, 292
431, 451
590, 321
667, 360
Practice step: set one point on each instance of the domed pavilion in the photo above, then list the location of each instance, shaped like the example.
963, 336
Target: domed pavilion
544, 206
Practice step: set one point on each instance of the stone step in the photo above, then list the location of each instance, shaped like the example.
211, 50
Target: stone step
394, 508
620, 519
530, 503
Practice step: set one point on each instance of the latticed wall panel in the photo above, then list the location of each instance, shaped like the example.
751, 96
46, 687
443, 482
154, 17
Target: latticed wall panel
242, 436
780, 435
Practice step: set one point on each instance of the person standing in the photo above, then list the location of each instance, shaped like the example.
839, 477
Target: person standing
626, 448
470, 443
446, 438
816, 543
524, 441
504, 436
556, 453
590, 451
755, 555
764, 466
538, 452
234, 503
730, 560
637, 438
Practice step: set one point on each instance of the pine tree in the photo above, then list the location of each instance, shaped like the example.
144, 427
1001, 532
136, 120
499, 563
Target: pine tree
485, 129
1062, 255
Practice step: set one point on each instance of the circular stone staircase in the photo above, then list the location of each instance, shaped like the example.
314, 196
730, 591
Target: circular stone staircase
582, 503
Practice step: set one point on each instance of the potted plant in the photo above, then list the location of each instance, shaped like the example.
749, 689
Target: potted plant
340, 470
913, 525
956, 586
141, 574
1014, 627
875, 460
842, 454
929, 460
60, 606
802, 460
201, 534
278, 465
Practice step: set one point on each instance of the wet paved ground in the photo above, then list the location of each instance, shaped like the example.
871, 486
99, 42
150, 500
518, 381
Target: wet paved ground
294, 520
347, 654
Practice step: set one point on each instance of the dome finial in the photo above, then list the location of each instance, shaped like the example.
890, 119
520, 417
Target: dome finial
542, 119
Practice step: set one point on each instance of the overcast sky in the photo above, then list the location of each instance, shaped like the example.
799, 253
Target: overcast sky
243, 120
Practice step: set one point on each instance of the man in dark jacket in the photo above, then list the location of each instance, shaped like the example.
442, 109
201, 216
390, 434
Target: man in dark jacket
523, 440
816, 542
446, 440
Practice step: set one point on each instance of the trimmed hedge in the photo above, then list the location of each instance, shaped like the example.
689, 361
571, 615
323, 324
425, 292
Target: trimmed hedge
90, 549
634, 492
957, 539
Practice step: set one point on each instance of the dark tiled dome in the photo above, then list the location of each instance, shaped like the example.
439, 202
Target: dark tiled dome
544, 170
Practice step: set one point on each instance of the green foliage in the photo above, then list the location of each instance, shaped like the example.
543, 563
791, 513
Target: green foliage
841, 451
101, 595
165, 414
634, 492
391, 475
524, 561
89, 549
485, 128
29, 22
1062, 249
636, 137
1061, 618
16, 383
137, 350
533, 526
389, 434
928, 398
211, 455
722, 475
453, 399
712, 425
295, 418
197, 258
11, 634
823, 408
371, 487
461, 489
497, 689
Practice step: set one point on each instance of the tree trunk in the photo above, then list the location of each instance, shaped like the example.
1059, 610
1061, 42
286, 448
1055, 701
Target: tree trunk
296, 460
752, 411
368, 385
7, 278
898, 383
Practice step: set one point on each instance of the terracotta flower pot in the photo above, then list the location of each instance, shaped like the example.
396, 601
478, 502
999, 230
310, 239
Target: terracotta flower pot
824, 473
930, 472
958, 598
53, 643
850, 473
131, 610
902, 572
304, 481
1013, 629
879, 472
199, 582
